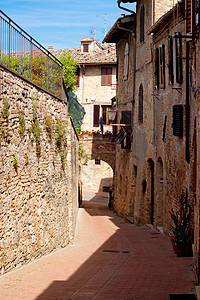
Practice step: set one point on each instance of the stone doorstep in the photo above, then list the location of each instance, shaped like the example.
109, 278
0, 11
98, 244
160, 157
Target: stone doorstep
197, 290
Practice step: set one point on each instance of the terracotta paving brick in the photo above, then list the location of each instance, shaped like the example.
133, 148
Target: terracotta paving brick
110, 259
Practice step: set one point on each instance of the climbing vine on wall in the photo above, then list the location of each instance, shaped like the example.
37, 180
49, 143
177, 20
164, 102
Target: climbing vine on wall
35, 124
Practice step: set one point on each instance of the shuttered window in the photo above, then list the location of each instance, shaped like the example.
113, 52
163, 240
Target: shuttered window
140, 105
188, 16
170, 60
157, 68
178, 53
78, 77
85, 47
178, 120
106, 76
96, 115
126, 61
142, 23
162, 66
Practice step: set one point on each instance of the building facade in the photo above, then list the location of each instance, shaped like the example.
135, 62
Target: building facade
95, 89
162, 160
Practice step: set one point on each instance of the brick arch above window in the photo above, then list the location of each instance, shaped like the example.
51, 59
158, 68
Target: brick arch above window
142, 12
140, 105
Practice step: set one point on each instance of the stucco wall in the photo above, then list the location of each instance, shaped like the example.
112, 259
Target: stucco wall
90, 92
38, 173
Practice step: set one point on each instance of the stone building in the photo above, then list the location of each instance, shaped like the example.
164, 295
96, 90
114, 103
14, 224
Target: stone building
95, 89
135, 107
162, 159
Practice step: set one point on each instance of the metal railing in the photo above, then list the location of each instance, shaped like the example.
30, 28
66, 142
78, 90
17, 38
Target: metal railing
24, 55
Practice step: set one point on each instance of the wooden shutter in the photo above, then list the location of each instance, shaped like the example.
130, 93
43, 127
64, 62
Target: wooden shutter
140, 105
162, 66
106, 76
157, 68
126, 117
142, 23
188, 16
85, 48
178, 120
126, 61
96, 115
170, 60
109, 76
103, 76
178, 49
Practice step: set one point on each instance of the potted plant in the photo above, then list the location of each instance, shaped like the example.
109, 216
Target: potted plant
182, 231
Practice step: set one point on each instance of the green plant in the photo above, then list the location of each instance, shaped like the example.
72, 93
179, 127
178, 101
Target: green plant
35, 125
22, 125
60, 132
5, 109
182, 230
82, 155
49, 125
26, 160
69, 70
15, 164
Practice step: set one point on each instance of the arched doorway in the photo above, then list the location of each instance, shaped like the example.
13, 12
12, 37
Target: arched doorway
150, 192
159, 197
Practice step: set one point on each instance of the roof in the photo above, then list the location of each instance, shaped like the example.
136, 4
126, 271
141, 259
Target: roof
120, 29
164, 20
103, 54
87, 39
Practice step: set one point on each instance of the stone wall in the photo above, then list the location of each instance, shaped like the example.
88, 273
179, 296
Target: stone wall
38, 173
95, 176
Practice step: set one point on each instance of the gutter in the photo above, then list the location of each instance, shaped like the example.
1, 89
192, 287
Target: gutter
125, 1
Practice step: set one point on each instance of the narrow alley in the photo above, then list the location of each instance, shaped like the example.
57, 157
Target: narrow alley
110, 259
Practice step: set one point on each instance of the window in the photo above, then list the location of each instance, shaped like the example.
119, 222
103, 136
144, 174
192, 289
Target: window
157, 68
96, 115
190, 7
106, 76
142, 23
140, 105
104, 110
178, 53
126, 60
97, 162
178, 120
162, 66
85, 47
170, 60
117, 69
78, 77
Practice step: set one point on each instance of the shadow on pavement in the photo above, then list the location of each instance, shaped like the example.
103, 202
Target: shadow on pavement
134, 263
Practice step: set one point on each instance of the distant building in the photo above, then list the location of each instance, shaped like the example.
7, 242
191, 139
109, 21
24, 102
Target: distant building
95, 89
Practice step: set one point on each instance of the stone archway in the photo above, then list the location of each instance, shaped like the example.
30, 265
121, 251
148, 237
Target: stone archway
159, 194
150, 201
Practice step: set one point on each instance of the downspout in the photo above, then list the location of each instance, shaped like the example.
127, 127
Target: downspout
126, 9
134, 67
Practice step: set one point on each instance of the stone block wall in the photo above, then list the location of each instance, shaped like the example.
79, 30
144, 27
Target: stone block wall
38, 173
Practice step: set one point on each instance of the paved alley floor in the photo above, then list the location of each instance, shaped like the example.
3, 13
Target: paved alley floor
110, 259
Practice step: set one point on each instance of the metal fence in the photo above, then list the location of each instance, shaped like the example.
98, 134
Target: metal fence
24, 55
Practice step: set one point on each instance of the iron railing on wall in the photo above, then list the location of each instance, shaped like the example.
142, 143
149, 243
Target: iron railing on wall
24, 55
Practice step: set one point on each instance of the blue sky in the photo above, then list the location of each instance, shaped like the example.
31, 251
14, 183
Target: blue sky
62, 23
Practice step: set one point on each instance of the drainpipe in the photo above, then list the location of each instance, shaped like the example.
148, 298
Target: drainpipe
125, 1
134, 66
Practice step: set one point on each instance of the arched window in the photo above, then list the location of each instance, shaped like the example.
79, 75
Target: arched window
142, 23
140, 105
126, 59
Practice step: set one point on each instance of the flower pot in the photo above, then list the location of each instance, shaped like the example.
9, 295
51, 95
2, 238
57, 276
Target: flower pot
177, 248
